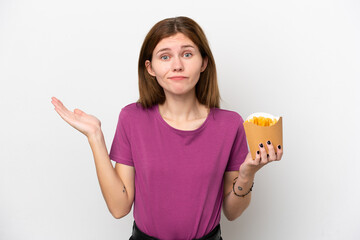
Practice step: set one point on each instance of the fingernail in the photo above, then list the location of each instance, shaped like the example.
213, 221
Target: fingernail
268, 142
258, 152
261, 145
279, 147
267, 155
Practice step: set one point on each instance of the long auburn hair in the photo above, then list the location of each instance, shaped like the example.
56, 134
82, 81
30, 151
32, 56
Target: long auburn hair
151, 93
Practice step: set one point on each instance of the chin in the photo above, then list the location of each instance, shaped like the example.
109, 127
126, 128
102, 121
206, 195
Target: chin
178, 91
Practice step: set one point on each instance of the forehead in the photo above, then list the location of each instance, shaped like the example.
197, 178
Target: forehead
174, 41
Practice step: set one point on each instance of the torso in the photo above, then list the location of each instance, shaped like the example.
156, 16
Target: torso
192, 162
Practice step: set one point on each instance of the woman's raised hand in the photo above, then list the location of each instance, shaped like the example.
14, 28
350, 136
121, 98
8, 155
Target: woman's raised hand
85, 123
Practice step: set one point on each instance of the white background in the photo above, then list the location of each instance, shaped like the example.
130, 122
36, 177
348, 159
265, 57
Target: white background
296, 59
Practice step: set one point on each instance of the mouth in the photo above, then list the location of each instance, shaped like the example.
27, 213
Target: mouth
178, 78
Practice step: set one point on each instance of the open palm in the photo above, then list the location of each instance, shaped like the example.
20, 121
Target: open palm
85, 123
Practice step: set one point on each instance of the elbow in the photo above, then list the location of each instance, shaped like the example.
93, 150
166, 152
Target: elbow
230, 218
119, 215
234, 210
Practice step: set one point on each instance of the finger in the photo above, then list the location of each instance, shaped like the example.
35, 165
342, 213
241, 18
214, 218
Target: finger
81, 116
263, 154
55, 100
256, 161
63, 114
66, 113
279, 153
271, 151
58, 104
78, 111
78, 114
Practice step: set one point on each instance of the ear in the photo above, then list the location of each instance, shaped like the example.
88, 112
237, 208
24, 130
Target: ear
149, 69
204, 64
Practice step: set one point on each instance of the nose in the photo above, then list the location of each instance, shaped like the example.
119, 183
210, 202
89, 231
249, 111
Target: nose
177, 64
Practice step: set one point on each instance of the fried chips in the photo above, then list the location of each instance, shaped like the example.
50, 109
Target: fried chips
262, 121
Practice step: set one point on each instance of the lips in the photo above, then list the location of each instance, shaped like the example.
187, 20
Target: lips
178, 78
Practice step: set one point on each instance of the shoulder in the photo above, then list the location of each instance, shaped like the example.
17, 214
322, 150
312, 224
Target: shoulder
134, 106
126, 111
134, 111
228, 115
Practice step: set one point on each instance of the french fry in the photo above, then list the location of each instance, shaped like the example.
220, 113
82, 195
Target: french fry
262, 121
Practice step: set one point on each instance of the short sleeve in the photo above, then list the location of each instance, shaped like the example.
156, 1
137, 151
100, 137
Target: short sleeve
239, 149
120, 151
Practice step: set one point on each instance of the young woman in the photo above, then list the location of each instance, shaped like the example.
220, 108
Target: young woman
179, 157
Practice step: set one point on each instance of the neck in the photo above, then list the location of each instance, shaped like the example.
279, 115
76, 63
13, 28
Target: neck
183, 109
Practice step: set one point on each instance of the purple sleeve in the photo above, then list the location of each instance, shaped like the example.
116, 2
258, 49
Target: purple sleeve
239, 149
120, 151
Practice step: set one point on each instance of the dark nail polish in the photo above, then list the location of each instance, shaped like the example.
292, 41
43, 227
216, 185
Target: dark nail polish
279, 147
258, 152
267, 155
261, 145
268, 142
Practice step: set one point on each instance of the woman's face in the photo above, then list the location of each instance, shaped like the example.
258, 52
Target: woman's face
176, 64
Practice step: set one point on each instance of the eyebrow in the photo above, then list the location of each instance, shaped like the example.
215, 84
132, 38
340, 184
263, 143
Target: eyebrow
165, 49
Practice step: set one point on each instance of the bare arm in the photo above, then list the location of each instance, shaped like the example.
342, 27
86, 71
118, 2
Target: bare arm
112, 187
117, 185
234, 206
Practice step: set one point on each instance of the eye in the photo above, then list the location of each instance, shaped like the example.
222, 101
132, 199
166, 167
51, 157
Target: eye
188, 54
164, 57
